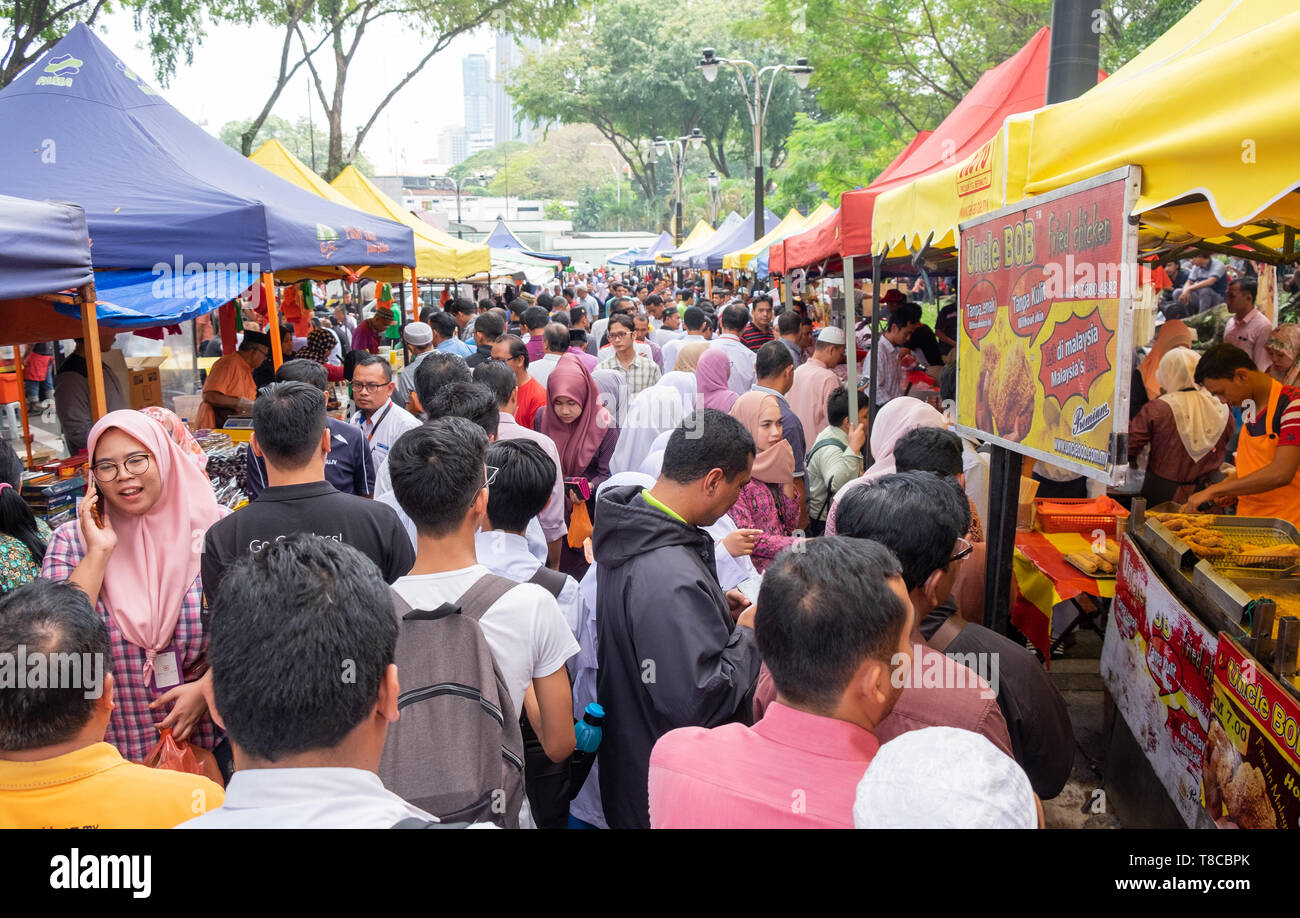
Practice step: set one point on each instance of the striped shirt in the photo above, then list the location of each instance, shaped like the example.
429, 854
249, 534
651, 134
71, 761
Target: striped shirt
754, 338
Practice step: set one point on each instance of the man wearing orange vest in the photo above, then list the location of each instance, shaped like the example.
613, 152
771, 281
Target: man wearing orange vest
1267, 478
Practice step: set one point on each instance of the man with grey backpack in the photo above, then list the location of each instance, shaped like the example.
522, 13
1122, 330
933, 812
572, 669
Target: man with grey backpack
470, 644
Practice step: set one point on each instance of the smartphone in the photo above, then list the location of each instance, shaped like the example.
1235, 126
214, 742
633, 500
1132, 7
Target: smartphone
578, 486
97, 507
750, 587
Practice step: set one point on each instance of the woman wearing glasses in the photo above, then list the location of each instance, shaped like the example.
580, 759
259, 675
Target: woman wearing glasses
767, 508
135, 549
230, 388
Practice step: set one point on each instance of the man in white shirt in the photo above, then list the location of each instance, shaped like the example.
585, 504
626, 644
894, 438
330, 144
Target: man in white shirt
307, 743
500, 381
586, 301
442, 482
380, 419
732, 320
521, 490
556, 341
697, 329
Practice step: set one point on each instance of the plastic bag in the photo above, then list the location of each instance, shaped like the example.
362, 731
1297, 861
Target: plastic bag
580, 527
172, 754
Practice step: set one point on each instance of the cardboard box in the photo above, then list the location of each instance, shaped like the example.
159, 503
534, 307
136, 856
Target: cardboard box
145, 378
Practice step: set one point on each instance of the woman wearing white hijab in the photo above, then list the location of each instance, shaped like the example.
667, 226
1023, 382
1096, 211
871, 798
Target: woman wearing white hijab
899, 416
1187, 428
653, 411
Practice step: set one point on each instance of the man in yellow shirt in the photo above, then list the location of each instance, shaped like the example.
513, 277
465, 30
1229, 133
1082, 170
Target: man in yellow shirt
56, 695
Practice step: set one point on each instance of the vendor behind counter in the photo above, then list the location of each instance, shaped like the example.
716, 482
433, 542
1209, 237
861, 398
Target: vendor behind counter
1267, 478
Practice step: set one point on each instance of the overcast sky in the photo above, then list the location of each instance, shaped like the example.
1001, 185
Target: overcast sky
234, 70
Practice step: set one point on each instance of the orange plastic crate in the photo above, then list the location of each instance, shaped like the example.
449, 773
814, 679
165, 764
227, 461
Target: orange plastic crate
1084, 523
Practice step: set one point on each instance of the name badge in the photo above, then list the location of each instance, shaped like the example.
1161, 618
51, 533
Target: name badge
166, 670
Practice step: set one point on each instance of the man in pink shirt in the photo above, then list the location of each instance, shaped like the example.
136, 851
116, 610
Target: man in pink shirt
1248, 328
833, 624
815, 380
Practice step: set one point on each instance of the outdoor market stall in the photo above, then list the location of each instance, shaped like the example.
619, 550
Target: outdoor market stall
699, 232
84, 127
1198, 659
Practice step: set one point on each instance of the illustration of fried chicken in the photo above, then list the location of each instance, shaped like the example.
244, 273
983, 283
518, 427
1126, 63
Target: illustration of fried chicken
1009, 391
1220, 759
1246, 797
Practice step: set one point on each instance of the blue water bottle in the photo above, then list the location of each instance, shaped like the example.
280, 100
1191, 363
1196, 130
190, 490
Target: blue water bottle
588, 731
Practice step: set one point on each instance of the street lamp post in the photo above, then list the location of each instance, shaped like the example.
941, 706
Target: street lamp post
757, 106
715, 183
675, 150
459, 182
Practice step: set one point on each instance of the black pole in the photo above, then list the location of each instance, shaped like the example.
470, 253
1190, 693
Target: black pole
1072, 60
459, 225
875, 353
1071, 71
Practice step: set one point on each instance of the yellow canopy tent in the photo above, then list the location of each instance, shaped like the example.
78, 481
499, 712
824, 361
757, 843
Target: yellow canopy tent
437, 254
924, 214
275, 157
698, 233
1208, 113
793, 222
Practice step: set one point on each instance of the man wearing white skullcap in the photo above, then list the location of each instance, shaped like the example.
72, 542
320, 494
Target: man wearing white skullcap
945, 778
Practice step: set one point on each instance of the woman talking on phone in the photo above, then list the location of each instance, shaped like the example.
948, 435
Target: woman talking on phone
769, 501
585, 437
135, 549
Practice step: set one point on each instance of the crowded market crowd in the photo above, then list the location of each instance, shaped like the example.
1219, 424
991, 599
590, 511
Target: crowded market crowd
635, 525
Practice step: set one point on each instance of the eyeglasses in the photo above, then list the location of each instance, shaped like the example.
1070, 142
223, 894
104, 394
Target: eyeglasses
622, 336
135, 464
490, 474
962, 553
370, 386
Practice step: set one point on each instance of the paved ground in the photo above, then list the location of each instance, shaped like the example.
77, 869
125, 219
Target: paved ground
1078, 678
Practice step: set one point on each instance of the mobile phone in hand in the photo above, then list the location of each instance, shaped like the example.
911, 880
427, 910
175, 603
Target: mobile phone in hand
578, 486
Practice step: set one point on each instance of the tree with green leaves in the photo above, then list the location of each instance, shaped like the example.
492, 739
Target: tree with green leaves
29, 28
324, 36
628, 69
303, 139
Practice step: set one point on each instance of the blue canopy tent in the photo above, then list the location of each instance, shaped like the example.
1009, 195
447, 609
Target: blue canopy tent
708, 256
662, 244
673, 255
44, 248
83, 127
624, 259
502, 238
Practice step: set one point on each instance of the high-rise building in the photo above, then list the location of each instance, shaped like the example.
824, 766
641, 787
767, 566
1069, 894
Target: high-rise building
504, 111
478, 97
452, 148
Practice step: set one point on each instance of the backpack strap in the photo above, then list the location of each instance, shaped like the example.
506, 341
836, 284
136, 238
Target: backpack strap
474, 602
947, 632
551, 581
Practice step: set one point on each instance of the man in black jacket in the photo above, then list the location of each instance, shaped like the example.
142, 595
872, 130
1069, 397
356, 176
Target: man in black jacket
674, 649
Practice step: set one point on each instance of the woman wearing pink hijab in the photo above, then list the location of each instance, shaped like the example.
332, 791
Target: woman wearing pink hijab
768, 504
711, 375
141, 567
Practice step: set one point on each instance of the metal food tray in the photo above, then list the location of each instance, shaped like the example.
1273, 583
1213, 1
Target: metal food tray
1262, 531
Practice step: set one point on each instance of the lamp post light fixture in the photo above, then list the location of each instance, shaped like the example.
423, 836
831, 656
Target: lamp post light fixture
715, 184
757, 103
479, 179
